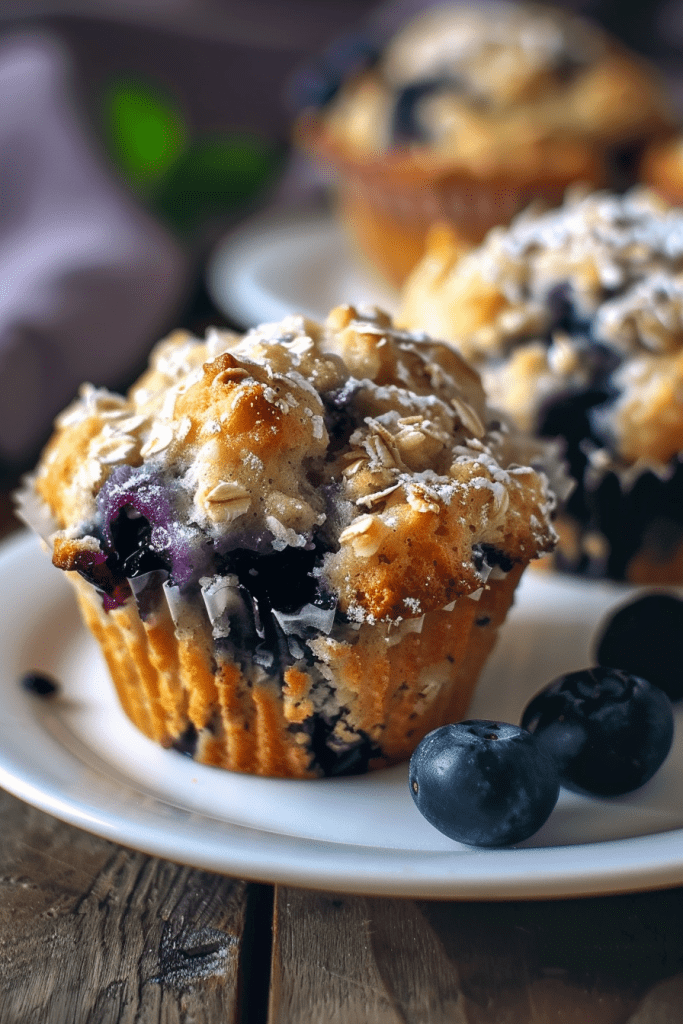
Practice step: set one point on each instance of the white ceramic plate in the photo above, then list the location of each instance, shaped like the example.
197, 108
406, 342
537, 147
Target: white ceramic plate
297, 262
77, 757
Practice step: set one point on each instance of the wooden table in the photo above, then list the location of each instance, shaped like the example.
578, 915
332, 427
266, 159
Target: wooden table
93, 932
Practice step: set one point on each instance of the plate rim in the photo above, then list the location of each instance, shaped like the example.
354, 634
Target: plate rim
230, 270
639, 863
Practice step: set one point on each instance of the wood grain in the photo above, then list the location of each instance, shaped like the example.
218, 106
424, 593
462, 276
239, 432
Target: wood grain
613, 960
90, 931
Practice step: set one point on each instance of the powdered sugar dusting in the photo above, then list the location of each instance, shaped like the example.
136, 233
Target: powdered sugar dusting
374, 444
577, 295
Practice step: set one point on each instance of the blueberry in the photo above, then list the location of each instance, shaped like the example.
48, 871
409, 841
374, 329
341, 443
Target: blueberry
186, 742
282, 580
483, 783
567, 414
39, 684
406, 126
565, 312
132, 544
609, 731
645, 637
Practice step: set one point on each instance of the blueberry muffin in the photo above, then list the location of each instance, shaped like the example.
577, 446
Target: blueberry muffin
575, 320
470, 113
295, 547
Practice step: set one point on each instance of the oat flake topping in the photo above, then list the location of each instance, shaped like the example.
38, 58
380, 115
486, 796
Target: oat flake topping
589, 296
371, 446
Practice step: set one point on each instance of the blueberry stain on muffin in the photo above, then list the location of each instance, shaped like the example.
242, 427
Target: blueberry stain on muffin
296, 546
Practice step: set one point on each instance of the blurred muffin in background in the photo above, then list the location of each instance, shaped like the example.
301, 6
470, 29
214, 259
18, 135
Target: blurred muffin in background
575, 320
470, 113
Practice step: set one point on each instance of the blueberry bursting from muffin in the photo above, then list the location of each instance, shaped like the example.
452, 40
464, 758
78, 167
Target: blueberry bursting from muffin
295, 547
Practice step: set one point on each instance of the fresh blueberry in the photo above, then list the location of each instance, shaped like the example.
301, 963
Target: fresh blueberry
39, 683
608, 731
645, 637
483, 783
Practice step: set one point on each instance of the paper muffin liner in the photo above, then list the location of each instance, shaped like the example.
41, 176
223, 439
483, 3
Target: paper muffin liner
314, 638
361, 699
350, 697
623, 523
388, 204
389, 227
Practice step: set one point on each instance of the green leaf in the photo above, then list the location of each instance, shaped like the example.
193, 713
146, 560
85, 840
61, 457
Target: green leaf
215, 176
146, 132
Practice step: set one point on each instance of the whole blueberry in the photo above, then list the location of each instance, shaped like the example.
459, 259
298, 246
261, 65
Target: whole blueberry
645, 637
39, 683
609, 731
483, 783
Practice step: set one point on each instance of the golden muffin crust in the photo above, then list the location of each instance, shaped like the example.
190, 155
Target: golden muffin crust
491, 84
470, 114
575, 320
294, 547
621, 261
661, 168
376, 441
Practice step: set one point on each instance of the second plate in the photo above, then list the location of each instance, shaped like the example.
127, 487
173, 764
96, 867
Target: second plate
295, 262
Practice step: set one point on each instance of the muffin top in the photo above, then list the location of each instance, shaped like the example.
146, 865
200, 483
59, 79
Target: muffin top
580, 308
365, 457
482, 83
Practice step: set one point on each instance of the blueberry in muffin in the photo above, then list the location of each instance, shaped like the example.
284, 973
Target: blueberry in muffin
574, 319
295, 547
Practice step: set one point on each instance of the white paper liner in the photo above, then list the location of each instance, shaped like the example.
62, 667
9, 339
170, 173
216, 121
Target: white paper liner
33, 511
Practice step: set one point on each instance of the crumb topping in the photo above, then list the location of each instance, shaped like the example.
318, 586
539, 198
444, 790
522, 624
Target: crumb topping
500, 53
584, 299
470, 81
367, 449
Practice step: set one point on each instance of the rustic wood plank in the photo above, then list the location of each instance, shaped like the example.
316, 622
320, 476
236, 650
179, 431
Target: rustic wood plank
90, 931
341, 959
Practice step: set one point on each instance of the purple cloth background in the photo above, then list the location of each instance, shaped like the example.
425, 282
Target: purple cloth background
85, 275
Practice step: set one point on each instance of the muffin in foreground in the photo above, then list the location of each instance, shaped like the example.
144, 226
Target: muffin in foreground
575, 320
471, 112
295, 546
